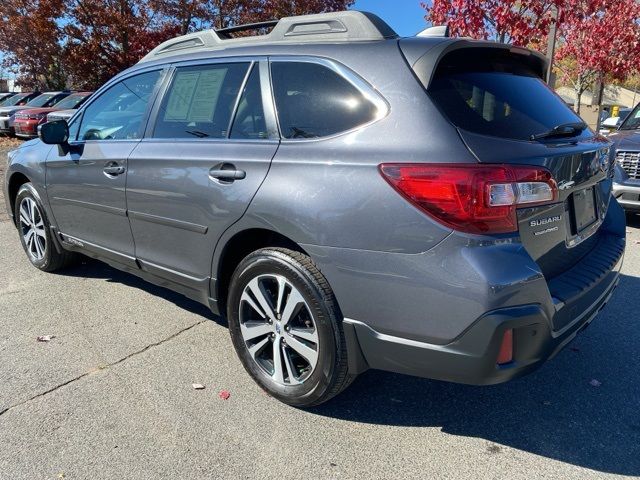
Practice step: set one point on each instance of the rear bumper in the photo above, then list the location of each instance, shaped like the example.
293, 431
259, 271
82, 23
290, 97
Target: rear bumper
628, 195
471, 358
442, 314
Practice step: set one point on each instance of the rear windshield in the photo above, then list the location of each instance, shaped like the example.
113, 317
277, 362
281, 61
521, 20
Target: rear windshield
495, 94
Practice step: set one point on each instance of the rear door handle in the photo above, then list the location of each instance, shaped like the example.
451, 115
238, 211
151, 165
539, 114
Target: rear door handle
227, 173
113, 169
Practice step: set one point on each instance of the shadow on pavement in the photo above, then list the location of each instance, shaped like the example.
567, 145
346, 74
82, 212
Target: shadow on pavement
89, 268
554, 412
633, 220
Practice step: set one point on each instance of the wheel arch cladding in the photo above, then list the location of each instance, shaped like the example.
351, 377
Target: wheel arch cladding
15, 182
238, 247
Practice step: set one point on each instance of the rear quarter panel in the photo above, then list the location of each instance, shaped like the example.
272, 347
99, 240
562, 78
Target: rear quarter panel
329, 191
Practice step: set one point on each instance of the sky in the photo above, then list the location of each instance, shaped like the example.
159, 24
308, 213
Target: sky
406, 17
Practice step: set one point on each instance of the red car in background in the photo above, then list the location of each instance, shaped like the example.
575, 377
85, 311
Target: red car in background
26, 121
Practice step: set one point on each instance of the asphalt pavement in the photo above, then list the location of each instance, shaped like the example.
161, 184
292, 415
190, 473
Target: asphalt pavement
110, 396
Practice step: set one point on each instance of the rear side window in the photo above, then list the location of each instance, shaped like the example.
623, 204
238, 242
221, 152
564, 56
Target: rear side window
313, 101
200, 101
249, 122
496, 94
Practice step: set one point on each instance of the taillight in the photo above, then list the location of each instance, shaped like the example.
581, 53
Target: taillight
472, 198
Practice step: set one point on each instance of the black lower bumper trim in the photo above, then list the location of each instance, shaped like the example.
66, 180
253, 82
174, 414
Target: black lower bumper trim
471, 359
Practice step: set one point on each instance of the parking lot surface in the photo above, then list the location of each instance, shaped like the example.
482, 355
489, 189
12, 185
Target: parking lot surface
110, 396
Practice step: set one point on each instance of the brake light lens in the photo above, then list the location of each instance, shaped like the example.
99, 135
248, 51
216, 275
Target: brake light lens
472, 198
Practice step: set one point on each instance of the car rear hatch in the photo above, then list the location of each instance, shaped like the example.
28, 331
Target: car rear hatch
505, 113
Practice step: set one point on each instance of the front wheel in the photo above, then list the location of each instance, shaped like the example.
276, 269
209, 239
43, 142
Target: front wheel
287, 328
35, 232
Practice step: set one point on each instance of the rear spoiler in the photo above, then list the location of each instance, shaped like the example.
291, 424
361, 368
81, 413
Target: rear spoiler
424, 54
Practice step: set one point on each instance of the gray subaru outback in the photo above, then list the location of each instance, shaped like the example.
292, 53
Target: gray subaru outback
348, 199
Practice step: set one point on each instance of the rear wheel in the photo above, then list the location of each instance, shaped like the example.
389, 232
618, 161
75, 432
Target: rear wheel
287, 328
35, 232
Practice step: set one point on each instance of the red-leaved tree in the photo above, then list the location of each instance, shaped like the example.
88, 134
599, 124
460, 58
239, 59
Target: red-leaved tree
600, 40
30, 38
82, 43
520, 22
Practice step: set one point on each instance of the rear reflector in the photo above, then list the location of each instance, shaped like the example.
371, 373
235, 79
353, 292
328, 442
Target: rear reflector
506, 348
472, 198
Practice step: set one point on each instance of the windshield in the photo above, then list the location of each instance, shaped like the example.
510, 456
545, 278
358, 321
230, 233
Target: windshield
632, 121
495, 94
11, 101
72, 101
41, 100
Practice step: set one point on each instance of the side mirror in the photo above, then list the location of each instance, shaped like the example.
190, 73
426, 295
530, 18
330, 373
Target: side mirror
54, 133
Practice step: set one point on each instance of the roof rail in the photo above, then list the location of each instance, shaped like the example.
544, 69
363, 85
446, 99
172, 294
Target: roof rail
225, 32
435, 31
347, 26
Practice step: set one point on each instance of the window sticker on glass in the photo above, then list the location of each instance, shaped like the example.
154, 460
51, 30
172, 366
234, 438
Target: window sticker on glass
200, 101
181, 96
208, 90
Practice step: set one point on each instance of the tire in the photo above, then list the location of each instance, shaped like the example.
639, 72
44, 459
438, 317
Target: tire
312, 330
40, 249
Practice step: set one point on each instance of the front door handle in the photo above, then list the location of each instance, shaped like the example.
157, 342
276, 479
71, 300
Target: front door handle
112, 169
227, 173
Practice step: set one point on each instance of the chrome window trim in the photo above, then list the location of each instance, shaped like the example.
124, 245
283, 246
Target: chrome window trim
366, 89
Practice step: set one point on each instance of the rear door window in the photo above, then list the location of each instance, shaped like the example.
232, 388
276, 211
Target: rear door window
313, 101
495, 94
249, 122
200, 101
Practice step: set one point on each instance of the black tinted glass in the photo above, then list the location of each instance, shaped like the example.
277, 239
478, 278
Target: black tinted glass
200, 101
497, 96
249, 121
314, 101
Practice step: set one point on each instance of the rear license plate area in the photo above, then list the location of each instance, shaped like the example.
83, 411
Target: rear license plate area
583, 203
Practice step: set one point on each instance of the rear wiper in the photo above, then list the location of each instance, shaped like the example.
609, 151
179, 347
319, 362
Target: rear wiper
564, 130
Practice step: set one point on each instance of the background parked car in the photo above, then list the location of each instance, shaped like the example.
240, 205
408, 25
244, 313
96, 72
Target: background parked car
26, 121
612, 123
626, 181
7, 113
17, 100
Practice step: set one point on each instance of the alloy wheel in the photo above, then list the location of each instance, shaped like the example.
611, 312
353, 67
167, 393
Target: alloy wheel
33, 229
278, 329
